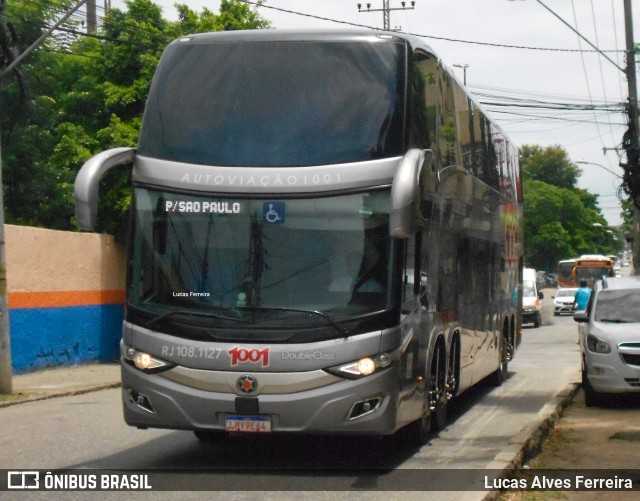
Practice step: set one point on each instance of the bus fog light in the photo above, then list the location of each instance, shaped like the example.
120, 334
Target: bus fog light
140, 400
364, 407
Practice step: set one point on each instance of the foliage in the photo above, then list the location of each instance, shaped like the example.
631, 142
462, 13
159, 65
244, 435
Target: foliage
86, 94
550, 164
561, 221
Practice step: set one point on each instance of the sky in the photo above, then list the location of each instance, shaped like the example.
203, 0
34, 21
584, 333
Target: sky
515, 51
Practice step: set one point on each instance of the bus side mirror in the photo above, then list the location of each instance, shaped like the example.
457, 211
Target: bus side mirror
405, 191
88, 181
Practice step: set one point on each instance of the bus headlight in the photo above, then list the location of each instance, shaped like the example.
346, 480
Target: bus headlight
363, 367
374, 363
144, 361
366, 366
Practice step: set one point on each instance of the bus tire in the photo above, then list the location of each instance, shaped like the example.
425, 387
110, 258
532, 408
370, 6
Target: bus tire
434, 413
417, 433
437, 388
453, 368
499, 376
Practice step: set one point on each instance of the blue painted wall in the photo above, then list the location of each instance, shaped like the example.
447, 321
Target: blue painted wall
47, 337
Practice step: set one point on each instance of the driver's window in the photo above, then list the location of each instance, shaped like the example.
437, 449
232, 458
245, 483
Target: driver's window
411, 270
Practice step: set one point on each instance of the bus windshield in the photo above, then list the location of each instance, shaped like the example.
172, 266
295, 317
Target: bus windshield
565, 272
276, 104
282, 264
592, 274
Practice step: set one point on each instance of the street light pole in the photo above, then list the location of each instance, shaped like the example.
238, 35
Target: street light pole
584, 162
464, 71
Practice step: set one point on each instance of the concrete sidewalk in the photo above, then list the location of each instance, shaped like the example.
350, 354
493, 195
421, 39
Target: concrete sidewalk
61, 381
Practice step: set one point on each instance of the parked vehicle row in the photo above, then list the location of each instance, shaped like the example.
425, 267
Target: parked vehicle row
608, 327
610, 339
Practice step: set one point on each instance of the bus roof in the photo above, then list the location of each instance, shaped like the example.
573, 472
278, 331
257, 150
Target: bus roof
274, 35
594, 261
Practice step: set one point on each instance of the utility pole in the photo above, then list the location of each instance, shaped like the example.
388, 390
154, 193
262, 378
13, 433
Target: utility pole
6, 387
385, 10
92, 20
6, 384
632, 170
631, 179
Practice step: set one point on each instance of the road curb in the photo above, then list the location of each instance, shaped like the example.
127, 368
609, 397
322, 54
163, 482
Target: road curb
23, 398
528, 443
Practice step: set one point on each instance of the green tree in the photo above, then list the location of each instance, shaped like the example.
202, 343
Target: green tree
559, 218
233, 15
28, 123
549, 164
86, 94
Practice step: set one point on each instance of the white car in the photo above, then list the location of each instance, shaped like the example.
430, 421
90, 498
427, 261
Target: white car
610, 341
563, 300
531, 298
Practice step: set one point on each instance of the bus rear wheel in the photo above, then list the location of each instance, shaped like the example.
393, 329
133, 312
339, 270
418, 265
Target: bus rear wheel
438, 388
499, 376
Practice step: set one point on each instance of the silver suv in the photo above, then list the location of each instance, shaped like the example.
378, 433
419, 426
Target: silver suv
610, 339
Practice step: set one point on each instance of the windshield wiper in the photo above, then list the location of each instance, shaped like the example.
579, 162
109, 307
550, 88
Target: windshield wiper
338, 327
206, 314
614, 321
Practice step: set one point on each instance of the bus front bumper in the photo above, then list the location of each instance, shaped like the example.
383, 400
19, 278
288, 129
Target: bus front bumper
341, 406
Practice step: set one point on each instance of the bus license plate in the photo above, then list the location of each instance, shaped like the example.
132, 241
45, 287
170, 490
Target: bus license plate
248, 424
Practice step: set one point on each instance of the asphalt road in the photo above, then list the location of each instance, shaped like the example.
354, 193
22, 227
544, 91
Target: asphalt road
488, 428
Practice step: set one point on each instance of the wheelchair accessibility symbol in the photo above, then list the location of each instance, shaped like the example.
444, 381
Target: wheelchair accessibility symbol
273, 212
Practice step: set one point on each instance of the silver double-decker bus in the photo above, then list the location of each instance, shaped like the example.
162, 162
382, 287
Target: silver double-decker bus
325, 237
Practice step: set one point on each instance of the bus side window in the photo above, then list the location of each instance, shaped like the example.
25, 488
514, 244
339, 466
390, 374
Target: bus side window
414, 281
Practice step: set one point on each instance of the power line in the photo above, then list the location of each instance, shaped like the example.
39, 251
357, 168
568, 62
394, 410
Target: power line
584, 66
446, 39
35, 44
581, 36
